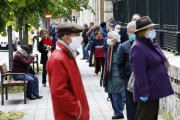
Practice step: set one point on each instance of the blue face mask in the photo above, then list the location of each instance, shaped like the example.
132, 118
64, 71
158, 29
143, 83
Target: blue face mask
132, 36
152, 34
26, 55
109, 42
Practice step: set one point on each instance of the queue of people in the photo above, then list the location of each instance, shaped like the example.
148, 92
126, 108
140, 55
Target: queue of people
119, 52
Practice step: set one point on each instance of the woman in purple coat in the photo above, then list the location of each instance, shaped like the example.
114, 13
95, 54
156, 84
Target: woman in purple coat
149, 65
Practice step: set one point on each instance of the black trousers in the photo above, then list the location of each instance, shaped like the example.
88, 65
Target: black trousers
91, 55
131, 107
147, 110
44, 74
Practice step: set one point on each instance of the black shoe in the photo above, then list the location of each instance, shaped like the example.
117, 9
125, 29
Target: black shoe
83, 58
31, 97
91, 65
118, 117
38, 97
88, 61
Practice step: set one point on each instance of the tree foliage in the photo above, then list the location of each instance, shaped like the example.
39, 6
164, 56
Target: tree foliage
12, 10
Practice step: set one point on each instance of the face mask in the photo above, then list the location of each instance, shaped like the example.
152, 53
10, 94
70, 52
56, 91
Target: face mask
109, 42
76, 42
107, 24
152, 34
117, 30
26, 55
132, 36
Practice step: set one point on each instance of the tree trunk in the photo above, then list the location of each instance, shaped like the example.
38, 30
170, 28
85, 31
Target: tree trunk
20, 31
37, 17
10, 46
26, 35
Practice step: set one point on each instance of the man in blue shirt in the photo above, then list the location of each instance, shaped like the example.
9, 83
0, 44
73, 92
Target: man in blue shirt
111, 22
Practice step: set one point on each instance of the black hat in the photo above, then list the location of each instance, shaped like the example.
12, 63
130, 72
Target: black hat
103, 24
144, 23
26, 48
68, 28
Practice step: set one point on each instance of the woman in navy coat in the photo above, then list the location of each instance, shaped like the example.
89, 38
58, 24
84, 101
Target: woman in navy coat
149, 65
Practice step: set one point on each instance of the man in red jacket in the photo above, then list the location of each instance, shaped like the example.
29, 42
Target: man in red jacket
67, 91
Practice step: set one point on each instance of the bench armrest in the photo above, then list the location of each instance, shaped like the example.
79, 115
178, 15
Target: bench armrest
6, 74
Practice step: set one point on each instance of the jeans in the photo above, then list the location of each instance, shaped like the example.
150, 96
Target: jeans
85, 52
33, 83
87, 47
32, 46
44, 74
117, 103
91, 55
55, 41
123, 98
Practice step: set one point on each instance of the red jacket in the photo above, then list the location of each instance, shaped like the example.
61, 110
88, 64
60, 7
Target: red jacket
67, 91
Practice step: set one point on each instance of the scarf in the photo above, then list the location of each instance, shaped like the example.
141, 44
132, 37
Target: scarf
107, 69
99, 38
48, 42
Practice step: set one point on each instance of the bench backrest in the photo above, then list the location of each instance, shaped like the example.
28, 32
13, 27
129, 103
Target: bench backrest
3, 68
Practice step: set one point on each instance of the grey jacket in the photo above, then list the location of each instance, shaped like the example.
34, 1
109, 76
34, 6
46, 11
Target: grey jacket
115, 84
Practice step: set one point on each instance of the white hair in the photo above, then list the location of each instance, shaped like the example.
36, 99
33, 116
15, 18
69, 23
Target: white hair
117, 26
114, 35
131, 25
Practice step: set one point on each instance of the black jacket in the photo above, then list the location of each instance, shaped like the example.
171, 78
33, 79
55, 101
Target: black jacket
85, 37
124, 66
123, 33
105, 47
43, 52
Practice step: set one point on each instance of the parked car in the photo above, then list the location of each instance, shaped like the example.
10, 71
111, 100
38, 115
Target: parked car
4, 42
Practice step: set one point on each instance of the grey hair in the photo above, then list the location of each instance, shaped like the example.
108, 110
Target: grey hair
131, 25
117, 26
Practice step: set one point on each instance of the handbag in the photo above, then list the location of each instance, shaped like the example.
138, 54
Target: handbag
131, 83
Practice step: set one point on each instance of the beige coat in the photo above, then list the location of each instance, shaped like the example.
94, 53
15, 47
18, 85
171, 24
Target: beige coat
30, 38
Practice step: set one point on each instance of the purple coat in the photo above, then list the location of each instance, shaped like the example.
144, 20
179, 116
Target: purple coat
151, 77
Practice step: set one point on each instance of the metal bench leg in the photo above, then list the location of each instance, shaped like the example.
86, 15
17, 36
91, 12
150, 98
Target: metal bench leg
6, 93
24, 93
2, 91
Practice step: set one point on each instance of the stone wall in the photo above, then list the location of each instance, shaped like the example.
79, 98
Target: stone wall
172, 103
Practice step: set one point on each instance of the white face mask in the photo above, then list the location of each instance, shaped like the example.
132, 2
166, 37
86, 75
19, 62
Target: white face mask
76, 42
117, 30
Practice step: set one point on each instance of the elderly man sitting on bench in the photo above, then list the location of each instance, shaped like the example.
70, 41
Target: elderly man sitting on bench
21, 64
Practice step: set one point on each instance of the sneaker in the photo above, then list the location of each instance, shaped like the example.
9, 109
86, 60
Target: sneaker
44, 85
96, 74
118, 117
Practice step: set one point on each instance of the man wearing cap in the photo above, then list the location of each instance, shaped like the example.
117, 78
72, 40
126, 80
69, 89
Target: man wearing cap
21, 63
111, 23
54, 33
67, 91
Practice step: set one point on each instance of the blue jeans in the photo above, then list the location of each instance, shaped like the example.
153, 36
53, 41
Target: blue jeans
32, 46
33, 83
55, 41
85, 52
123, 98
117, 103
87, 47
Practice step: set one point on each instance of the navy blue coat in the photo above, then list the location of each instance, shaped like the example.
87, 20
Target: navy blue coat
123, 33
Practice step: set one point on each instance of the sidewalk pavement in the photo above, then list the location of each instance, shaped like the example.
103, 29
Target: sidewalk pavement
41, 109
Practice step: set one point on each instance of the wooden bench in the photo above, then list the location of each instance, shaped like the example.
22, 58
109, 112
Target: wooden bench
10, 82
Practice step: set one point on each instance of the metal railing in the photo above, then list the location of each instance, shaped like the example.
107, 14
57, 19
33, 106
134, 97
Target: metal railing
162, 12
